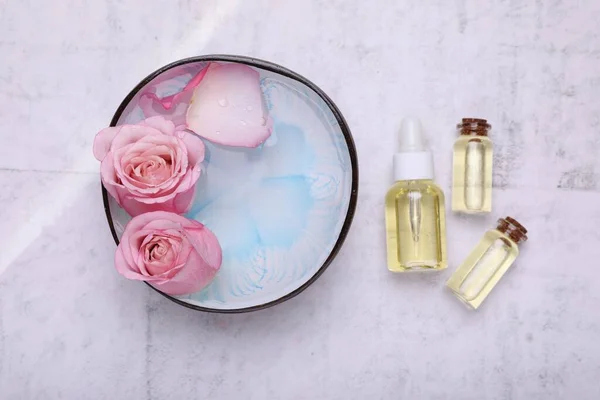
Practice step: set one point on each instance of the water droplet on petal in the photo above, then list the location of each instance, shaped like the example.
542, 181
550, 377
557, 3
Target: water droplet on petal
223, 102
248, 108
243, 122
218, 132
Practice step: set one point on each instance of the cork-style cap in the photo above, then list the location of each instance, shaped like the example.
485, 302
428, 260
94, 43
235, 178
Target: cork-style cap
474, 126
513, 229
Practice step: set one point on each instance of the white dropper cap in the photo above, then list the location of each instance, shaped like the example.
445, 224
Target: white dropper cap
413, 161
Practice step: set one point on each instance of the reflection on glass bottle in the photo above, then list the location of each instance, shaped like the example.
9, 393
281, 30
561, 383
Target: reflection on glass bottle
414, 213
414, 208
472, 167
480, 272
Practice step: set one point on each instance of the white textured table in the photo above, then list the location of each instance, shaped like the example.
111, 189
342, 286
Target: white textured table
72, 328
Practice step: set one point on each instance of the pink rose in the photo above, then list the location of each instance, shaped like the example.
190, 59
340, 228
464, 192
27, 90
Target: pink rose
172, 253
150, 166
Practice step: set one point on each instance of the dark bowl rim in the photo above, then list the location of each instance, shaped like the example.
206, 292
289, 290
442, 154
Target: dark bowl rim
269, 66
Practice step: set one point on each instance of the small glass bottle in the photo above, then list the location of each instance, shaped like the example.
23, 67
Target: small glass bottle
473, 281
472, 167
414, 208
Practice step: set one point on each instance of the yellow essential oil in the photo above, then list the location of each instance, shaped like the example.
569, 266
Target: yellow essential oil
473, 281
472, 168
414, 208
415, 225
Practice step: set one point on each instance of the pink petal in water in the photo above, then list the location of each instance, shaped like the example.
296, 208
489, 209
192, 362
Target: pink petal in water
227, 107
172, 107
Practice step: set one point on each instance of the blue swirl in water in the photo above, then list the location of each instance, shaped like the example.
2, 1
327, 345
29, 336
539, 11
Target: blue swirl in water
256, 199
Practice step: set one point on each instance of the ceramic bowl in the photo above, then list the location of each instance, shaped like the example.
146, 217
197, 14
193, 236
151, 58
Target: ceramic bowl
281, 211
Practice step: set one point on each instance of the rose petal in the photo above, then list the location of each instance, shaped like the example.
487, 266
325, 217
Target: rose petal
206, 244
103, 140
140, 222
109, 176
134, 207
183, 201
128, 248
168, 102
186, 184
124, 267
130, 134
162, 124
165, 265
167, 275
194, 145
179, 203
174, 107
151, 107
194, 276
227, 107
168, 226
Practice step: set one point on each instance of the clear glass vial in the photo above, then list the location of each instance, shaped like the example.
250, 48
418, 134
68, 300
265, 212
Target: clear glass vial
472, 167
414, 208
473, 281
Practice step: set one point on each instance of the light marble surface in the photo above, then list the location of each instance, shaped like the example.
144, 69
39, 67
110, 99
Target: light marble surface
72, 328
